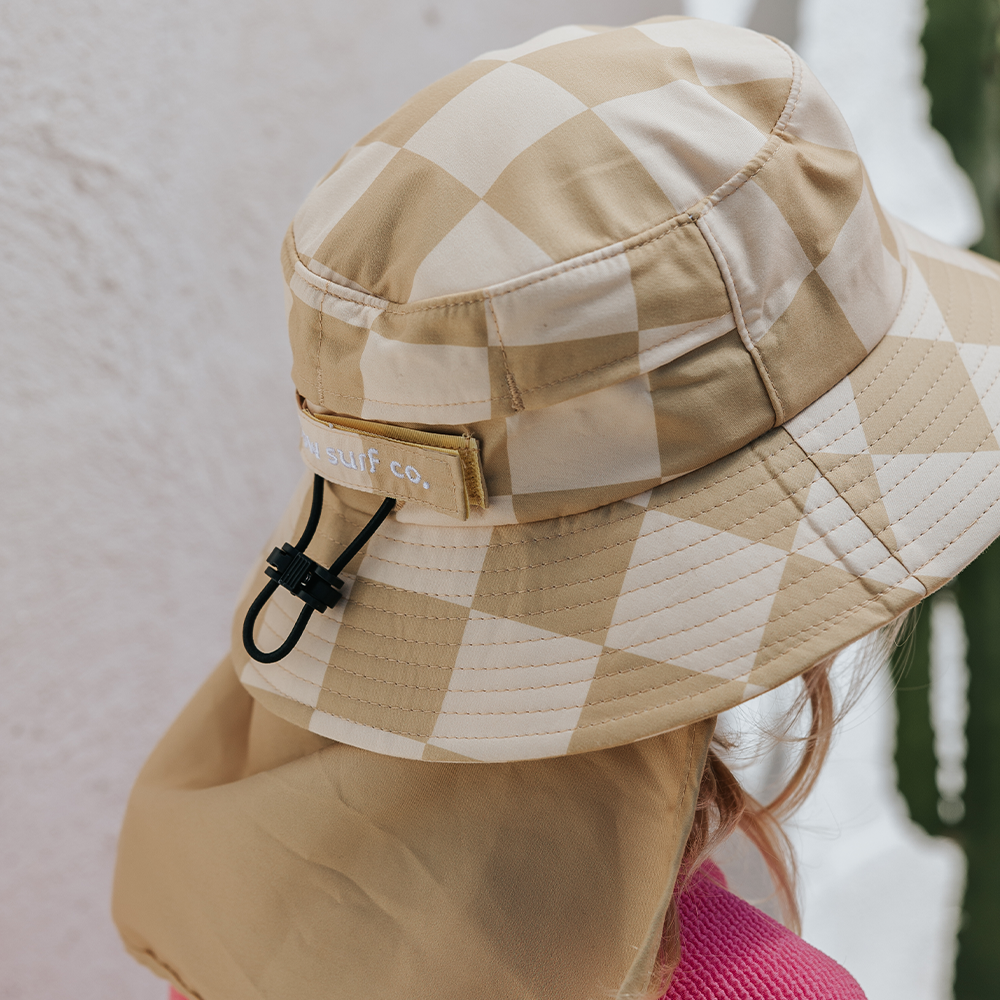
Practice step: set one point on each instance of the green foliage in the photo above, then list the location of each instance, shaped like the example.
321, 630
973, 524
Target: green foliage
962, 45
979, 601
916, 764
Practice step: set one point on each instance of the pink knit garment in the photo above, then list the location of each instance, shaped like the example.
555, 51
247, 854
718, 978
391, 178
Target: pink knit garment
730, 950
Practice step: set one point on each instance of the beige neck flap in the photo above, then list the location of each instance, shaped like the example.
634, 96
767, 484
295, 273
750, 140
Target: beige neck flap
259, 861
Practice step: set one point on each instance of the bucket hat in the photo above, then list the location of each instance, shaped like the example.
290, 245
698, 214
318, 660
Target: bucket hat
658, 405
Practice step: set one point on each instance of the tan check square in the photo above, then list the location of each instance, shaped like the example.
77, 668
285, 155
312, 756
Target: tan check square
626, 679
756, 101
600, 69
582, 609
485, 105
650, 126
695, 597
758, 493
483, 714
544, 446
794, 626
816, 192
576, 188
420, 645
357, 241
676, 283
688, 418
814, 307
481, 248
712, 47
330, 202
400, 128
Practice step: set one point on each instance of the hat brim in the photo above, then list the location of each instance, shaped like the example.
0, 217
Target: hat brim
517, 641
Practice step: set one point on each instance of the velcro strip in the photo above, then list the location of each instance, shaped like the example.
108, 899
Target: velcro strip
442, 471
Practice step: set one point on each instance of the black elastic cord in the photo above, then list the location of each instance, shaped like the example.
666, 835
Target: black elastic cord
251, 619
362, 536
314, 512
318, 588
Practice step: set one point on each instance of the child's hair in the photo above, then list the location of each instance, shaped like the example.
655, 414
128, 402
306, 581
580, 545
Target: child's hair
724, 806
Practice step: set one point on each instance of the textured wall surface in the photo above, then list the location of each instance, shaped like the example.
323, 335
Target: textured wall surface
151, 156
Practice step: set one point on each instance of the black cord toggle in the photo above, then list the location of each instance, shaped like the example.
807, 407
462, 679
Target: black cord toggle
304, 577
317, 587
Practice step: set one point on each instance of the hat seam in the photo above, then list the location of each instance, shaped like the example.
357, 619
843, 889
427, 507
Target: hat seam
438, 690
379, 585
640, 512
651, 234
504, 544
807, 457
515, 393
319, 347
534, 388
928, 295
426, 738
794, 89
720, 682
956, 358
784, 555
827, 626
737, 308
748, 172
770, 146
619, 673
694, 214
853, 401
910, 575
597, 255
604, 548
815, 630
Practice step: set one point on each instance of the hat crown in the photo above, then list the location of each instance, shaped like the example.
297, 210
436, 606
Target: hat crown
659, 235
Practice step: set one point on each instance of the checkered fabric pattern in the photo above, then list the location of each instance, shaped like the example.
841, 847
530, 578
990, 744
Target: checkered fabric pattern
731, 416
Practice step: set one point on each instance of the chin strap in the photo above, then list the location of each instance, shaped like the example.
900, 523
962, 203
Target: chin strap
317, 587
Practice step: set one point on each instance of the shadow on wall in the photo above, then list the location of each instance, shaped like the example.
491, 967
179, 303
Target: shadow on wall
779, 18
776, 17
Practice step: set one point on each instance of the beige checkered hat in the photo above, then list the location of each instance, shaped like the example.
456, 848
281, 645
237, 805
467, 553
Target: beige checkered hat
669, 407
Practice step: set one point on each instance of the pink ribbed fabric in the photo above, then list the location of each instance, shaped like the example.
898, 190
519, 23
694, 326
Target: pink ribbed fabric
730, 950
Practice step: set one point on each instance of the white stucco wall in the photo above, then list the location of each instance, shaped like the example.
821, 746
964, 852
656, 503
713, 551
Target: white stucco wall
151, 156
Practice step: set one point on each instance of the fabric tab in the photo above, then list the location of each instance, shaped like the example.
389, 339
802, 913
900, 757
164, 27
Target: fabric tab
442, 471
